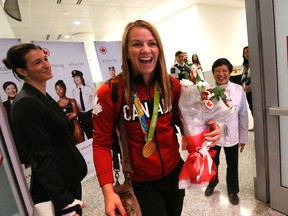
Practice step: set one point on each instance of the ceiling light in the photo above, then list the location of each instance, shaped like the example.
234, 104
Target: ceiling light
65, 13
77, 23
67, 36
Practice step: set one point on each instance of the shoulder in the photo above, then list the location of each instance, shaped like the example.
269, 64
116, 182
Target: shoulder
72, 100
6, 103
113, 85
175, 82
237, 86
26, 95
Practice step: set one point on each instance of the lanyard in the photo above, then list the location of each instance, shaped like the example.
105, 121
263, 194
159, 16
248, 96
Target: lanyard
147, 135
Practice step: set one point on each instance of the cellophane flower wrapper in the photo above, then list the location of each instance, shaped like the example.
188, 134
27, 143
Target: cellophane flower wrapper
199, 167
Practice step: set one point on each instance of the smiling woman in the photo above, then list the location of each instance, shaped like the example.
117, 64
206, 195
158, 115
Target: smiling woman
148, 101
43, 134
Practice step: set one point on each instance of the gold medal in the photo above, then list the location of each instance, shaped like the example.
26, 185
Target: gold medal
148, 149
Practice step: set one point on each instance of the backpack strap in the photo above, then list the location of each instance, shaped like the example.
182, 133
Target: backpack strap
114, 94
115, 146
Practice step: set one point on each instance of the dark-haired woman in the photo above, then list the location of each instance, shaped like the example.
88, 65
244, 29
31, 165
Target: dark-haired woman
41, 127
246, 77
11, 90
70, 108
196, 66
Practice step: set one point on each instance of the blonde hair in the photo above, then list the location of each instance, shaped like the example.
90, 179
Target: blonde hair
161, 74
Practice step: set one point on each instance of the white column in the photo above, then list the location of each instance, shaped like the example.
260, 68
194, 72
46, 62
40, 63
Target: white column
88, 40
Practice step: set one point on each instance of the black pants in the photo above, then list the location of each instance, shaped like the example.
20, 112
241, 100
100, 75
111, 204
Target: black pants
161, 197
85, 120
232, 180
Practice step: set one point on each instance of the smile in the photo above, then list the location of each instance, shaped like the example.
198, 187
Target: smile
145, 60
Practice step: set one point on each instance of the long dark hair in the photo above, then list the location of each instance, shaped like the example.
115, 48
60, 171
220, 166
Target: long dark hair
195, 61
245, 60
16, 57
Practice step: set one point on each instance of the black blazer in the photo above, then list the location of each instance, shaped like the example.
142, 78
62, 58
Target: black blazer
7, 105
41, 128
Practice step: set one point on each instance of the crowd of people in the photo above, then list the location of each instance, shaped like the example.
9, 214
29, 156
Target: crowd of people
48, 132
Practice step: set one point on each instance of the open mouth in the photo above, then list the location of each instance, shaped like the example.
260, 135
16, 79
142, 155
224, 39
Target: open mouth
145, 60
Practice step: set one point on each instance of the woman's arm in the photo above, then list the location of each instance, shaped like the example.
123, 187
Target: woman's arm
75, 109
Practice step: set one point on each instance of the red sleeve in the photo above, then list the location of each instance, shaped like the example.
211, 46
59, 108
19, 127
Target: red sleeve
103, 130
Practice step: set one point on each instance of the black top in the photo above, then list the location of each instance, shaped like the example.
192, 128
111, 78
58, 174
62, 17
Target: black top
43, 131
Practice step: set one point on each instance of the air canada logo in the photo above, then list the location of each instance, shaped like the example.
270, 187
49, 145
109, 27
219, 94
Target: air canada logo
46, 52
103, 50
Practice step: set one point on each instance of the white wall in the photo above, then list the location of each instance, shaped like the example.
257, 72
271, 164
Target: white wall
5, 30
210, 31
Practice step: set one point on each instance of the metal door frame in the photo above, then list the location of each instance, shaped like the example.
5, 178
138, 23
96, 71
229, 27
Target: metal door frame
262, 47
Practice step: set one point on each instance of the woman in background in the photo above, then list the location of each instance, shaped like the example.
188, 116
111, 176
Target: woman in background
11, 90
41, 128
246, 77
84, 95
196, 66
70, 108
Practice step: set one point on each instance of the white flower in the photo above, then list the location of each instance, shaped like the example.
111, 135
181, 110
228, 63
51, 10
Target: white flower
202, 83
185, 83
202, 86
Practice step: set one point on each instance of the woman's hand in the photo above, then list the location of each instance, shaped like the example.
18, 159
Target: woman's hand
241, 147
112, 201
247, 89
214, 135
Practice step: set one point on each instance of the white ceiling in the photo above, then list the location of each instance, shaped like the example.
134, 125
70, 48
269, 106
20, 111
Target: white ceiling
47, 20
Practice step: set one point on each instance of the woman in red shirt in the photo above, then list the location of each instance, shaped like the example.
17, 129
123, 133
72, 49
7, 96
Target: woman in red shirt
143, 84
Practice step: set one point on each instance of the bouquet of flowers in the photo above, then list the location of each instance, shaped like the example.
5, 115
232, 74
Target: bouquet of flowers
199, 103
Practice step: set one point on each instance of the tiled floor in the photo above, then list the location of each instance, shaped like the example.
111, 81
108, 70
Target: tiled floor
195, 202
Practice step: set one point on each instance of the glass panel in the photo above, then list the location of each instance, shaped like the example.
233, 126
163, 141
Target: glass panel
7, 202
281, 28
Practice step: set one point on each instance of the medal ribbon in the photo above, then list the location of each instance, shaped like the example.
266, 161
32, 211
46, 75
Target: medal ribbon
147, 135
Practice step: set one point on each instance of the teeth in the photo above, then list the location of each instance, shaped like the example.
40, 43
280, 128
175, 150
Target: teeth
145, 59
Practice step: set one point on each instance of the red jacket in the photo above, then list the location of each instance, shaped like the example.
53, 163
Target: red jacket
105, 115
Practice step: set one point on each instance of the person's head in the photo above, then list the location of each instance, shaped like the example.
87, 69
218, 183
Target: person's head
60, 88
78, 77
185, 57
143, 54
195, 59
245, 55
10, 89
222, 70
112, 71
179, 57
28, 63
